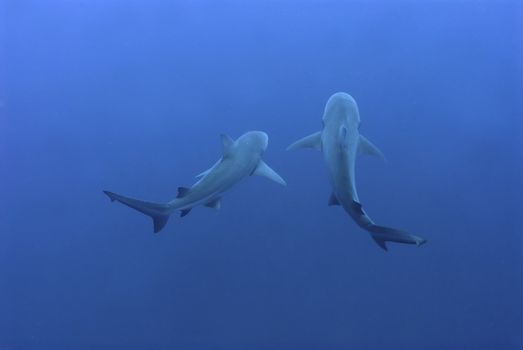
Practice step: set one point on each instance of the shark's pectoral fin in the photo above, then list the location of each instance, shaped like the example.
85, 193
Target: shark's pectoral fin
227, 144
202, 174
333, 200
367, 147
264, 170
215, 204
311, 141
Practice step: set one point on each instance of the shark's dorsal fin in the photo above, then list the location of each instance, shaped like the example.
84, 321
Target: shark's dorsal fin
182, 192
333, 200
264, 170
367, 147
343, 134
227, 143
215, 204
311, 141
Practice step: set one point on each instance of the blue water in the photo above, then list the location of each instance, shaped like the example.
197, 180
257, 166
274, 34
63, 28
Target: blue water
131, 96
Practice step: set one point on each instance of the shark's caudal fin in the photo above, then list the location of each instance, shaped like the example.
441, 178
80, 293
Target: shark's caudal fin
311, 141
382, 234
157, 211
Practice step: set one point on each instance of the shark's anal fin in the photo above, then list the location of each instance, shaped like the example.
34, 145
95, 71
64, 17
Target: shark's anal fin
333, 200
312, 141
227, 144
182, 192
264, 170
184, 212
215, 204
367, 147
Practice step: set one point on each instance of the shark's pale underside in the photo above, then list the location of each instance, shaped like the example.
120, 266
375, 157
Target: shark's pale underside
340, 142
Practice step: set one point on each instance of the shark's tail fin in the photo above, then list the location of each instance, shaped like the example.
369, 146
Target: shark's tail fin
382, 234
157, 211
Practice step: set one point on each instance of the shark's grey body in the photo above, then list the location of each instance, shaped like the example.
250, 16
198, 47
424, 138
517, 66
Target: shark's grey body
240, 159
340, 142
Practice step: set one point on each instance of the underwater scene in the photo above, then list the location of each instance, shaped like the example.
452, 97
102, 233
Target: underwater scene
261, 174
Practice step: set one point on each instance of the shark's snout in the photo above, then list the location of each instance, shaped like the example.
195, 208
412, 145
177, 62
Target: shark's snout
264, 139
260, 138
341, 107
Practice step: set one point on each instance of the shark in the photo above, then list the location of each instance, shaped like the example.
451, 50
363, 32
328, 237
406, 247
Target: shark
341, 142
240, 159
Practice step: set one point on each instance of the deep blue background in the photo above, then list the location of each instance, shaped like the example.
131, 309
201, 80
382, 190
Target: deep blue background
132, 95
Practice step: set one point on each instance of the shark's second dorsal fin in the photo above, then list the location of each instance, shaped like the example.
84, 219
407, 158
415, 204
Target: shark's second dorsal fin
182, 192
227, 143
